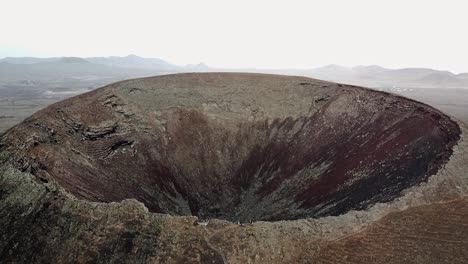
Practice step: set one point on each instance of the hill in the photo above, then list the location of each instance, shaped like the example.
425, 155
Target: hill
234, 168
371, 76
379, 77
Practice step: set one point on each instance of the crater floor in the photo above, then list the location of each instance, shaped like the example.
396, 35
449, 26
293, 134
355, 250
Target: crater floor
228, 146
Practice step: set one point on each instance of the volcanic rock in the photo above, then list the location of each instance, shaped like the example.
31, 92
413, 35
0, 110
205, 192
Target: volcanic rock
234, 168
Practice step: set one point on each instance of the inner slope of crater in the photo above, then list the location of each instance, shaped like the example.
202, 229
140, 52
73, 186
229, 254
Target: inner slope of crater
240, 147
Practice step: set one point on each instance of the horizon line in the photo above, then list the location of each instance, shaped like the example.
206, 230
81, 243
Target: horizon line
245, 67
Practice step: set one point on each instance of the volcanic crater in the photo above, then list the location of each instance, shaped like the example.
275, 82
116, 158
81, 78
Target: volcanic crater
240, 147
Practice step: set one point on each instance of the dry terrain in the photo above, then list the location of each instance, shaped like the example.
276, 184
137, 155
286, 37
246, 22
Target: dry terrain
451, 101
234, 168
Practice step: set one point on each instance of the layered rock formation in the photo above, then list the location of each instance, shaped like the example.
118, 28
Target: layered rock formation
234, 168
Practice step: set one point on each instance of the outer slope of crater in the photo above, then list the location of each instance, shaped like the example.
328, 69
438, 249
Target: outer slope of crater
256, 164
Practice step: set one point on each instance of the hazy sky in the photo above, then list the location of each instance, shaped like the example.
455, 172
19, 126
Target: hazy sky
264, 34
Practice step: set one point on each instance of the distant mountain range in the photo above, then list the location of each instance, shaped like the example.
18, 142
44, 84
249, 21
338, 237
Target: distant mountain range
130, 61
30, 68
376, 76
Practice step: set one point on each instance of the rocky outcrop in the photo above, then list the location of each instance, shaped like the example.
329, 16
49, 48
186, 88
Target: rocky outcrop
234, 168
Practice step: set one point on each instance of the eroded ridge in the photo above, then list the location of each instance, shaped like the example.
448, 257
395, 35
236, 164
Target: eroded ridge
241, 147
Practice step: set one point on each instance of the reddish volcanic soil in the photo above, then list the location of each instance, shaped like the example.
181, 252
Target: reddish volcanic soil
231, 146
237, 146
